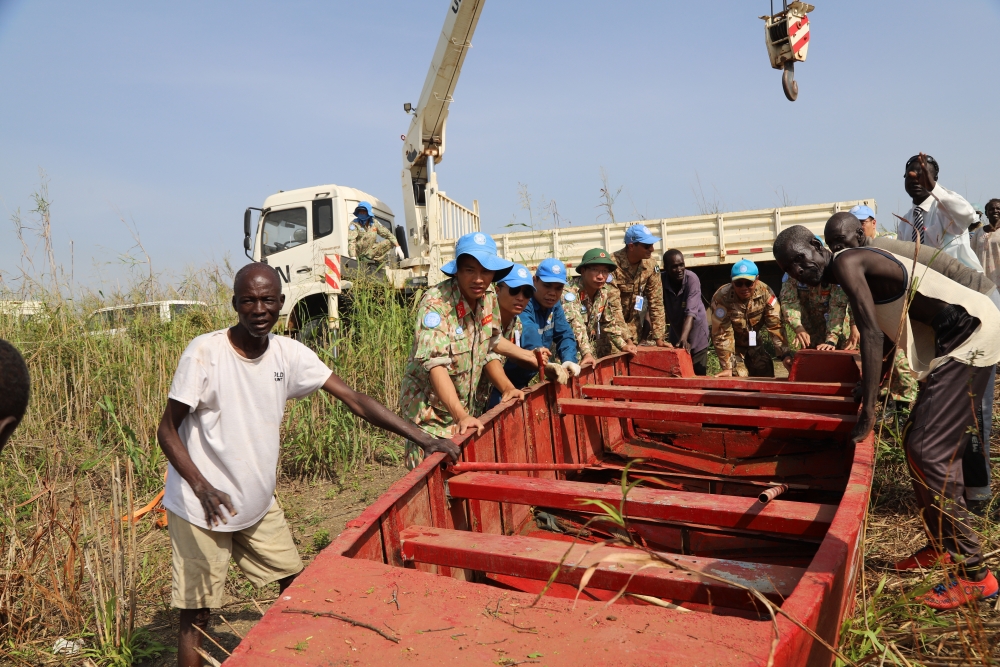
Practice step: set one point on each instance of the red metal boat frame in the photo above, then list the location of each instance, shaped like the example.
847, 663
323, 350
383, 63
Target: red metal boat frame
444, 567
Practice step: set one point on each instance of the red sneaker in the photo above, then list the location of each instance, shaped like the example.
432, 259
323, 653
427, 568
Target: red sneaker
958, 592
924, 559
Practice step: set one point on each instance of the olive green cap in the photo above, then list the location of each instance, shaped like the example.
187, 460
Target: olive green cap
595, 256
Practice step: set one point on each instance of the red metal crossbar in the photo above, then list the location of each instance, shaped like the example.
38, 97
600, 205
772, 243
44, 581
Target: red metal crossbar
536, 558
800, 421
515, 467
778, 516
737, 384
843, 405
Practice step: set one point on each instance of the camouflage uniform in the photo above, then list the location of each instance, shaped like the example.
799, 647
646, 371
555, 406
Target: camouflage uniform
363, 243
732, 322
511, 332
598, 324
903, 385
821, 311
450, 333
642, 280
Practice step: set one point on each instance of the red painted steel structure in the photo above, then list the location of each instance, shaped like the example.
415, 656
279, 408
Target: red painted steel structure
450, 562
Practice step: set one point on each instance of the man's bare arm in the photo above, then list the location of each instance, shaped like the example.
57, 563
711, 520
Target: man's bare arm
177, 453
378, 415
850, 272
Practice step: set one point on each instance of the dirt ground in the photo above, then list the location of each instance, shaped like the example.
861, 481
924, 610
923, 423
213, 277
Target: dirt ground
316, 512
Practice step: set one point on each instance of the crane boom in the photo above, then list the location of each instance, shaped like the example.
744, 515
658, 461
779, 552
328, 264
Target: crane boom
430, 216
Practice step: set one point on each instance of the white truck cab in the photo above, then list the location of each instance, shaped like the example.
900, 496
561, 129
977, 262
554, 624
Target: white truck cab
301, 233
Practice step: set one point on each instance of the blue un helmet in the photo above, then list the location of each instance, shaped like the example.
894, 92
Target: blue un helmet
481, 247
744, 269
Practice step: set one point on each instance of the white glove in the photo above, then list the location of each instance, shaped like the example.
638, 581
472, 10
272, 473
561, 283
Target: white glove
571, 368
556, 373
399, 253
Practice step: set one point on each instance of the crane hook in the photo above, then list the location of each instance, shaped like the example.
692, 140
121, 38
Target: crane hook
788, 82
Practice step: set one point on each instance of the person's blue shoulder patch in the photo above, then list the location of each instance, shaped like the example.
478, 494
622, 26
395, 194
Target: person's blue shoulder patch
353, 228
431, 320
784, 278
569, 296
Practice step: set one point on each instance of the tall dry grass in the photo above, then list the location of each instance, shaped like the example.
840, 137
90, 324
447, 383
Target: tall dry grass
86, 452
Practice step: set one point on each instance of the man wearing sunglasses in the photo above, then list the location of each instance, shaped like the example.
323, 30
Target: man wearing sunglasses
741, 310
514, 292
544, 324
637, 280
594, 309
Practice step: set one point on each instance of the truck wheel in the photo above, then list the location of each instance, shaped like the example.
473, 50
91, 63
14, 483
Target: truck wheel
315, 332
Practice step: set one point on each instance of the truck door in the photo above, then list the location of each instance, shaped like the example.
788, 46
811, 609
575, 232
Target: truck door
284, 245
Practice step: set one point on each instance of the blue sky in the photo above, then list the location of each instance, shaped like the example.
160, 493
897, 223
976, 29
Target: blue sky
179, 115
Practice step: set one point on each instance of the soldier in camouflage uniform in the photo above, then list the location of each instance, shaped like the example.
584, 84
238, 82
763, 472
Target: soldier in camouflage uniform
637, 280
363, 234
458, 325
740, 311
818, 315
594, 309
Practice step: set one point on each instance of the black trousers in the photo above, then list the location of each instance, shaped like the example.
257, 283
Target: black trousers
937, 435
700, 361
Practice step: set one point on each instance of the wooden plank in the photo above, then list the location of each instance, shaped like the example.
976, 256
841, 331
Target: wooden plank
738, 384
539, 429
823, 469
777, 516
484, 517
842, 405
537, 559
803, 421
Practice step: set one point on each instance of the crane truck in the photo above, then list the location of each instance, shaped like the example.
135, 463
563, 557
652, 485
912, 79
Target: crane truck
303, 233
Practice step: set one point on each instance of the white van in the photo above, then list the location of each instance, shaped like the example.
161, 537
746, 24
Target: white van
115, 319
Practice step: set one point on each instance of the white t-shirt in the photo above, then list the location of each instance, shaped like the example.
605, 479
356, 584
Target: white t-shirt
232, 433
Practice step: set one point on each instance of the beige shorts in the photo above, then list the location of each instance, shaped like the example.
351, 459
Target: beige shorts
265, 552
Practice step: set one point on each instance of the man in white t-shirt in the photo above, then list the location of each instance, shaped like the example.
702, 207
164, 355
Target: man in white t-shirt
220, 433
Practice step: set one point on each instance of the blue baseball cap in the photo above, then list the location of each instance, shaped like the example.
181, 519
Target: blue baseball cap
862, 212
551, 270
519, 276
639, 234
744, 269
484, 250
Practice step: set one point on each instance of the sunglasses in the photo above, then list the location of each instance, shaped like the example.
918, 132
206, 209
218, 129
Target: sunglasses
647, 246
515, 291
743, 282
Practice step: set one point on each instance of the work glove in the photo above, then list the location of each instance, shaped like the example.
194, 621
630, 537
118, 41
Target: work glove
399, 253
556, 373
572, 368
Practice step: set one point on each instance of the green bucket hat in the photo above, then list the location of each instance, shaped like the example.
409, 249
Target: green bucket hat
596, 256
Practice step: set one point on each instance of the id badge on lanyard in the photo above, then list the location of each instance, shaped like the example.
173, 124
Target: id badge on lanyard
640, 301
753, 338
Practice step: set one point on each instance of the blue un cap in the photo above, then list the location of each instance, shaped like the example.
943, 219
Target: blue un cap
639, 234
519, 276
484, 250
862, 212
551, 270
744, 269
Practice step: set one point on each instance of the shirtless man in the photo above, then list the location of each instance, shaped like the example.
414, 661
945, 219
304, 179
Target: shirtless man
949, 336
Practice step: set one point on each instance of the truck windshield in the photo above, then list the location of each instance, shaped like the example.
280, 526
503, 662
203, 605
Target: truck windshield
283, 230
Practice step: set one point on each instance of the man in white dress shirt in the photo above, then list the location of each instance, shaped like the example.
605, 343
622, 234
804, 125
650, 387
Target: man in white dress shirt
939, 217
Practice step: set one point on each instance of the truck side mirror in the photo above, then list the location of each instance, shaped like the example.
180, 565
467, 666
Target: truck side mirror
246, 223
246, 244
